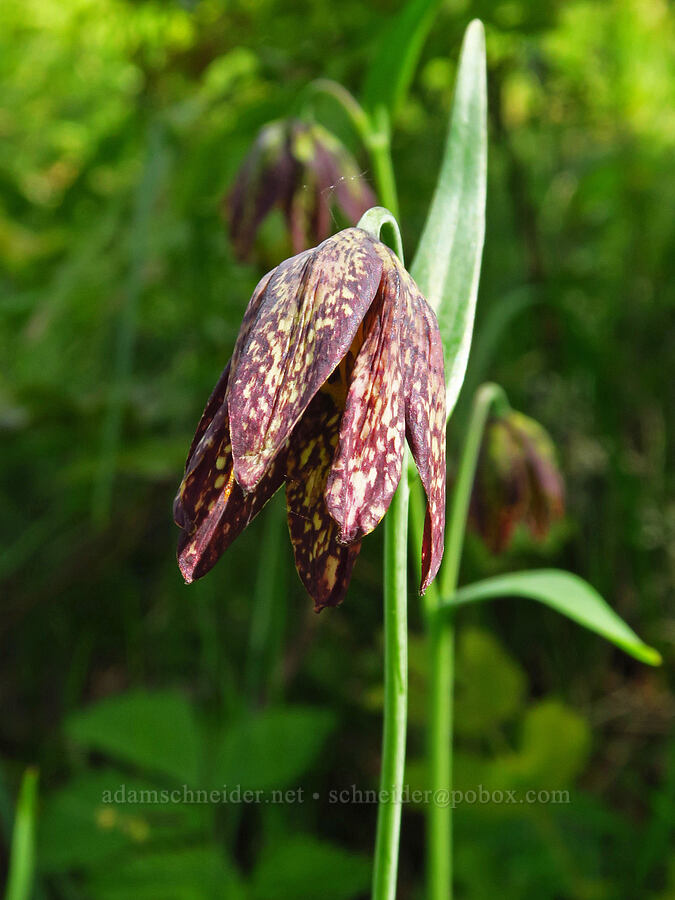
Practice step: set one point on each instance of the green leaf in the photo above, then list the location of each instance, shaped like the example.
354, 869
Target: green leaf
155, 731
567, 594
22, 855
271, 750
553, 752
101, 814
188, 873
490, 684
305, 867
447, 264
393, 65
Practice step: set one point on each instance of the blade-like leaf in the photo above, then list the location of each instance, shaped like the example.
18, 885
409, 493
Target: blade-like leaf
447, 264
398, 50
22, 855
567, 594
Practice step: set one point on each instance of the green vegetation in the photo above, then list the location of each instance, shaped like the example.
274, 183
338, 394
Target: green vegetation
122, 125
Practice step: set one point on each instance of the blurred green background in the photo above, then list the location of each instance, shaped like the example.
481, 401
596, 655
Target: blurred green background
121, 126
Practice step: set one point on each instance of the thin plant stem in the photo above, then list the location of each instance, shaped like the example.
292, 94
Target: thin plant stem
442, 656
378, 144
392, 771
395, 694
373, 131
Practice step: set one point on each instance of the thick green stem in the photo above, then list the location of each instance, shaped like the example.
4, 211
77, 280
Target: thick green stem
442, 640
395, 694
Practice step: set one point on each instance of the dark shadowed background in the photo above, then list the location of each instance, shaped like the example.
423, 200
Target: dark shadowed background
121, 127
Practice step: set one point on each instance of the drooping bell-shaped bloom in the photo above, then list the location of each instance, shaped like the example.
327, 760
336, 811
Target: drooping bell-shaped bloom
517, 480
338, 361
304, 171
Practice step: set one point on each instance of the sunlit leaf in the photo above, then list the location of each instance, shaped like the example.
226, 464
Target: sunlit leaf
567, 594
448, 259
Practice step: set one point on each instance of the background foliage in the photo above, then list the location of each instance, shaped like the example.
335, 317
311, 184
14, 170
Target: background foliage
121, 126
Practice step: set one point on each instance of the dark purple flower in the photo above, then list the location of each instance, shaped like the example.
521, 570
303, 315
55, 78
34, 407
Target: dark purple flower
338, 361
304, 171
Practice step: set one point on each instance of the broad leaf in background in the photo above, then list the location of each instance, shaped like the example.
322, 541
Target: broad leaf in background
155, 731
305, 867
192, 873
395, 60
104, 814
271, 750
22, 855
447, 262
567, 594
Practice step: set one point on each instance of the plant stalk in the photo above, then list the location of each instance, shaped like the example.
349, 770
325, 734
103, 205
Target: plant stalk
395, 694
394, 731
442, 645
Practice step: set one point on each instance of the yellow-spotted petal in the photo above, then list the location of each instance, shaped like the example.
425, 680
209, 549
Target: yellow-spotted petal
323, 563
309, 314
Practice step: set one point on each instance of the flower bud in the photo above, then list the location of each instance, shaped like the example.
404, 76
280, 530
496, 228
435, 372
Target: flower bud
302, 170
517, 480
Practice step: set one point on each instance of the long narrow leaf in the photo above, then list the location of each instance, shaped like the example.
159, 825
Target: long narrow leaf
22, 856
393, 66
447, 263
567, 594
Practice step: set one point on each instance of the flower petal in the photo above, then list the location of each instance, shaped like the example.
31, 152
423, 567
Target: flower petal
309, 314
211, 507
267, 178
425, 416
367, 465
324, 564
219, 393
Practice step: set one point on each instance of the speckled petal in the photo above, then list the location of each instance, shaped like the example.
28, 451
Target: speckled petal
219, 393
425, 421
367, 465
310, 311
210, 507
324, 564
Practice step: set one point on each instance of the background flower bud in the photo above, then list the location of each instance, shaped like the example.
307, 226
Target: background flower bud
304, 171
517, 480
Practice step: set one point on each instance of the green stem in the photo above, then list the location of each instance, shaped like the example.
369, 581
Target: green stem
395, 713
442, 642
379, 148
374, 132
395, 694
347, 101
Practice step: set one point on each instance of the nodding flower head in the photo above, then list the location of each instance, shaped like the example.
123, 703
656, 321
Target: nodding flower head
304, 171
517, 480
338, 361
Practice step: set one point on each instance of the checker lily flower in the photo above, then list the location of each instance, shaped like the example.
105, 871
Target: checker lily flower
517, 480
338, 360
303, 170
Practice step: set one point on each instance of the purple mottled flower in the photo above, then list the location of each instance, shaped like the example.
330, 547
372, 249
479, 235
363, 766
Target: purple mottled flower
338, 361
